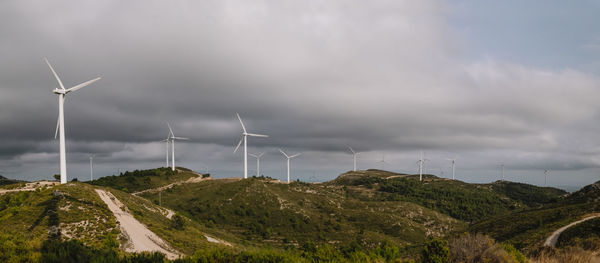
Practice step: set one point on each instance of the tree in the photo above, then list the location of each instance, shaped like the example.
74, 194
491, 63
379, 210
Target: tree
57, 177
436, 251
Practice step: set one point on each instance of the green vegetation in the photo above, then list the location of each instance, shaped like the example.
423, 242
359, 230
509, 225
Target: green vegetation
585, 235
260, 212
436, 251
364, 216
138, 180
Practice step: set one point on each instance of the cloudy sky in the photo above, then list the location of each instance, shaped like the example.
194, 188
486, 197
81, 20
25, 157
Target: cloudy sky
489, 82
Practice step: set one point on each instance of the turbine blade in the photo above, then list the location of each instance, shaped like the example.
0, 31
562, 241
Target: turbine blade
253, 155
170, 130
238, 145
83, 85
55, 75
261, 154
241, 122
295, 155
57, 124
284, 153
257, 135
353, 152
180, 138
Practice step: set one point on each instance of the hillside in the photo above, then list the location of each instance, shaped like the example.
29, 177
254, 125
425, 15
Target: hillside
72, 216
6, 181
464, 201
528, 228
265, 212
139, 180
360, 216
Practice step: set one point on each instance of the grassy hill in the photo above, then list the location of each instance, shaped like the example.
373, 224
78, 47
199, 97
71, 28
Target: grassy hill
138, 180
527, 229
361, 216
464, 201
261, 211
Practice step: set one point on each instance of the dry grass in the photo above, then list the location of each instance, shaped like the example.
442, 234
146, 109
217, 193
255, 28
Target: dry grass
567, 255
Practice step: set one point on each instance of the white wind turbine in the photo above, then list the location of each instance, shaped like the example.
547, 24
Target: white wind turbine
60, 125
288, 162
383, 162
257, 156
354, 154
502, 171
421, 163
545, 177
244, 138
167, 147
453, 165
172, 137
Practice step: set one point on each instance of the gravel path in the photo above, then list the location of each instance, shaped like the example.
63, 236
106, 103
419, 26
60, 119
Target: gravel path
139, 236
551, 240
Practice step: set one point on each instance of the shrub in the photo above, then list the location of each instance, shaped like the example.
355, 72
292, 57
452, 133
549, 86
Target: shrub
436, 251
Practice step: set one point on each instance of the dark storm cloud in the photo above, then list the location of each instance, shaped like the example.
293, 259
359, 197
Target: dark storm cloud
315, 76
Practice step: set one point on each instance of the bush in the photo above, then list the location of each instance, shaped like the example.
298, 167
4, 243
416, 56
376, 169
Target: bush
436, 251
177, 222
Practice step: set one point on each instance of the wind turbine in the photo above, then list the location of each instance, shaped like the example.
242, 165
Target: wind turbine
453, 165
421, 163
62, 92
545, 177
167, 147
92, 167
288, 163
172, 137
257, 156
502, 171
244, 138
354, 154
383, 162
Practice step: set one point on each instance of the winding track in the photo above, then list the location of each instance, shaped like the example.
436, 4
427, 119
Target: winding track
551, 240
140, 237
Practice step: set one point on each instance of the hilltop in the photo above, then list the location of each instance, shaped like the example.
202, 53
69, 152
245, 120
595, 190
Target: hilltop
6, 181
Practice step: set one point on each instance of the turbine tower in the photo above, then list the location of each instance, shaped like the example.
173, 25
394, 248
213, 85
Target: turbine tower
288, 162
92, 167
545, 177
172, 137
502, 171
244, 138
257, 156
453, 165
354, 154
60, 125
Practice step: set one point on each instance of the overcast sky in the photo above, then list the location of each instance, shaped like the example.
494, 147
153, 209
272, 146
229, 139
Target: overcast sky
488, 82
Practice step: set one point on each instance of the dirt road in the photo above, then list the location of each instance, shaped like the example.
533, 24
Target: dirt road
139, 236
551, 240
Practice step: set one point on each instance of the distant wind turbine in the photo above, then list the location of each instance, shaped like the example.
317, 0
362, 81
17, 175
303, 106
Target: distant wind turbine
502, 171
257, 156
172, 137
354, 154
453, 165
244, 138
383, 162
421, 162
60, 125
545, 177
288, 162
92, 167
